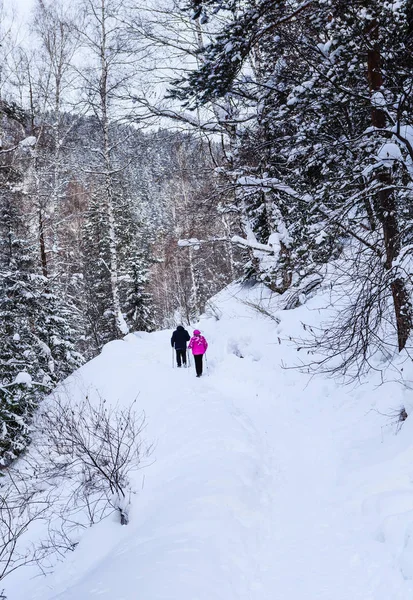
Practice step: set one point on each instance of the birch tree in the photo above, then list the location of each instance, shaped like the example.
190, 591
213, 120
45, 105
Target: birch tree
58, 42
105, 81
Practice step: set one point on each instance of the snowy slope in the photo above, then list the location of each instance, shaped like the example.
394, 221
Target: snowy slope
264, 483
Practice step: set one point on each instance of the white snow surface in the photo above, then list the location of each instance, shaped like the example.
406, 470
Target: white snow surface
23, 377
389, 153
28, 142
264, 483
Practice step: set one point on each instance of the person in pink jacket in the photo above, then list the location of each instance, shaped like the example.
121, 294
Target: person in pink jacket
198, 345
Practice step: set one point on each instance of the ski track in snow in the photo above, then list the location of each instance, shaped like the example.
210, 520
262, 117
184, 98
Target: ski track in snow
254, 491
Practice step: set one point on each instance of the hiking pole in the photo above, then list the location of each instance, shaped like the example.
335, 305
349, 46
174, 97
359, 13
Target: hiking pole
206, 365
173, 362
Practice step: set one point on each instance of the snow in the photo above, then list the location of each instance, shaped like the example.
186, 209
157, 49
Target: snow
28, 142
321, 237
190, 242
267, 184
264, 482
236, 239
406, 132
23, 377
325, 47
378, 100
44, 348
389, 153
123, 327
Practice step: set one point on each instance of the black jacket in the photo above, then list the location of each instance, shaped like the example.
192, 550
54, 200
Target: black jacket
179, 338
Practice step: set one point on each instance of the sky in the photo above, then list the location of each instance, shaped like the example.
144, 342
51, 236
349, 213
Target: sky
23, 6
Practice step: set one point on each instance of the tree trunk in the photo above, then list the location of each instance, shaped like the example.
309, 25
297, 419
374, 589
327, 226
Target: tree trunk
386, 205
121, 326
43, 256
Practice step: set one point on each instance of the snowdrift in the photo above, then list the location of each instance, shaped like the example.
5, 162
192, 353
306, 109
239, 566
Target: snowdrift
264, 482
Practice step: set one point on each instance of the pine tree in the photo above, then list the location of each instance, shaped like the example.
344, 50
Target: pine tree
96, 275
138, 304
22, 366
37, 342
134, 256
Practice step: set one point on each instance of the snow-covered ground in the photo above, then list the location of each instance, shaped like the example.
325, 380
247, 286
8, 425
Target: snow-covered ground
264, 483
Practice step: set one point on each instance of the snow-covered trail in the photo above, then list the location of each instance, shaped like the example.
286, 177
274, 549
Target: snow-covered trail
257, 486
316, 545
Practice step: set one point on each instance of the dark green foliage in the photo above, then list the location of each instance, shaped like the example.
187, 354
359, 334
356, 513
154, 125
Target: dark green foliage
13, 111
230, 49
96, 274
136, 301
37, 340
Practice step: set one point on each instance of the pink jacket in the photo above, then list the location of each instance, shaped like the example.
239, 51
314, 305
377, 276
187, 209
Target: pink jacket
198, 343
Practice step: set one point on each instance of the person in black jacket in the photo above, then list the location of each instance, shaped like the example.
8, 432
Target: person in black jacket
178, 341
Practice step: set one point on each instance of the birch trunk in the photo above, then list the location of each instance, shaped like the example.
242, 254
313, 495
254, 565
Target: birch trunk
120, 323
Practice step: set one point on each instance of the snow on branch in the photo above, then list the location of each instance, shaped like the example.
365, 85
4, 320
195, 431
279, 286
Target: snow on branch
182, 117
236, 239
268, 184
196, 243
290, 17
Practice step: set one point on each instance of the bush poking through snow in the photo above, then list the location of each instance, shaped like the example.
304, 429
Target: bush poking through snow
258, 306
212, 310
398, 417
96, 447
19, 508
76, 475
402, 415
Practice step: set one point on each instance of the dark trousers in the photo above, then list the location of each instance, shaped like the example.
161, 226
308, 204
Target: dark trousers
198, 363
180, 356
